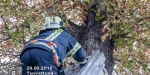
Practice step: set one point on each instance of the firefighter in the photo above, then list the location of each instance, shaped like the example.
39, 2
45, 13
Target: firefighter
45, 53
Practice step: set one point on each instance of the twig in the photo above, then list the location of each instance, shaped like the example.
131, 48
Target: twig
116, 71
2, 40
68, 8
4, 22
26, 3
23, 37
118, 60
148, 26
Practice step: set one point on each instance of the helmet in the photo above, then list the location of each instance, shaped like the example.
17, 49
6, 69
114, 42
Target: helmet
53, 22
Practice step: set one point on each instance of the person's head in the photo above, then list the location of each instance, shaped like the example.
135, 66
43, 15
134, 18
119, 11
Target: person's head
53, 22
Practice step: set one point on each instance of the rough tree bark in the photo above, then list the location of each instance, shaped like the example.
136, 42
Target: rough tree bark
90, 36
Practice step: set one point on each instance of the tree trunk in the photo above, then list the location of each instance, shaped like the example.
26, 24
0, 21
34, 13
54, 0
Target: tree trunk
90, 37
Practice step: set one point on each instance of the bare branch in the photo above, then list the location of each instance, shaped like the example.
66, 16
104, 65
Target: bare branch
25, 3
148, 26
23, 37
2, 40
4, 22
116, 71
118, 60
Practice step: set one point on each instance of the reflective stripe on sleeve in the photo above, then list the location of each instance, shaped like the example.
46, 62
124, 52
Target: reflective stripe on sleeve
83, 62
74, 50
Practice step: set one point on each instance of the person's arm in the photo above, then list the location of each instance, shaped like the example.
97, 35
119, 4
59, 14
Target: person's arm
76, 51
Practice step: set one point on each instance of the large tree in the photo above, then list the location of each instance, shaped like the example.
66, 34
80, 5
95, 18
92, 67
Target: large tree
90, 35
120, 29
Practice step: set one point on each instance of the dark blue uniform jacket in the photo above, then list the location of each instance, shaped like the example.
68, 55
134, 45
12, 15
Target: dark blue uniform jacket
65, 44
